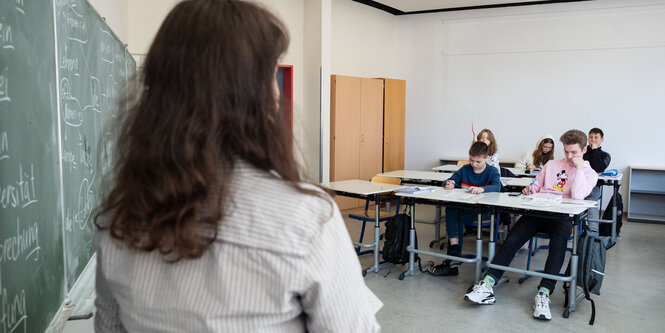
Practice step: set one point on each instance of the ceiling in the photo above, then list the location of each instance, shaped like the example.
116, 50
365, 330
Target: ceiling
406, 7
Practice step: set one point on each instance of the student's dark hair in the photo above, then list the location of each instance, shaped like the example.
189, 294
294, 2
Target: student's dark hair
574, 136
205, 100
540, 158
597, 130
478, 149
493, 147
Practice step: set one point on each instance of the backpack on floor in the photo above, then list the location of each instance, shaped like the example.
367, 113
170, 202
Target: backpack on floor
605, 229
591, 253
396, 239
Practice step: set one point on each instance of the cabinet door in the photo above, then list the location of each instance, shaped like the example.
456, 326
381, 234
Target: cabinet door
394, 121
345, 133
371, 127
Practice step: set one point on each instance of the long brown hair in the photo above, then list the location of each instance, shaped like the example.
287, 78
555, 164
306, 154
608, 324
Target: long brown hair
205, 100
539, 158
493, 147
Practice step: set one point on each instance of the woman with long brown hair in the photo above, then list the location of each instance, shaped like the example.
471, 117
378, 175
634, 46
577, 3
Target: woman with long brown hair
536, 158
207, 225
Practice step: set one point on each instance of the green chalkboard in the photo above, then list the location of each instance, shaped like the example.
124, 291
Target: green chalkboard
61, 73
93, 68
32, 280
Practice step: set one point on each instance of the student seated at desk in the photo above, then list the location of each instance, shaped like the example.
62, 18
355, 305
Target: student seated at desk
571, 177
207, 226
599, 161
536, 158
476, 177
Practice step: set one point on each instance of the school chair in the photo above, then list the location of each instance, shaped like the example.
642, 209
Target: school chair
462, 163
369, 215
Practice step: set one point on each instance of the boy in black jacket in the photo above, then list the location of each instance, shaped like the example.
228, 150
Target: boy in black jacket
599, 161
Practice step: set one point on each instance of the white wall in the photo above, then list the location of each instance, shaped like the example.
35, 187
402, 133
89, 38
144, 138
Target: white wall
115, 13
366, 42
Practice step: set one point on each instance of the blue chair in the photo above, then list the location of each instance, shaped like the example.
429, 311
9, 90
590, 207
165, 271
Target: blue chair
368, 216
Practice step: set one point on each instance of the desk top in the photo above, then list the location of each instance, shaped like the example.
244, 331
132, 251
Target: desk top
446, 168
441, 194
567, 206
361, 187
497, 199
418, 175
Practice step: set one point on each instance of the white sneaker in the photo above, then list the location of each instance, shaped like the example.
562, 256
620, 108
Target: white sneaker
480, 294
541, 307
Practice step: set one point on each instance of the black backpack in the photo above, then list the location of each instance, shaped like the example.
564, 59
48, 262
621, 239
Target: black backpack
590, 266
396, 239
605, 229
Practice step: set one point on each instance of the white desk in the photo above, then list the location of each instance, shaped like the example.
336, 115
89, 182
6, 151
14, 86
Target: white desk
446, 168
418, 176
367, 190
437, 197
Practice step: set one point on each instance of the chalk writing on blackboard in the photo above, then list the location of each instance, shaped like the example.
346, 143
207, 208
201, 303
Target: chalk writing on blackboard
4, 86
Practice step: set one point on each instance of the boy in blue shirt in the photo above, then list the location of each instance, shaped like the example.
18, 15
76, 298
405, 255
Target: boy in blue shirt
477, 178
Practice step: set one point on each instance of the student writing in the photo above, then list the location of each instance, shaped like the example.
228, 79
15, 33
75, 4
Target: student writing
476, 177
207, 226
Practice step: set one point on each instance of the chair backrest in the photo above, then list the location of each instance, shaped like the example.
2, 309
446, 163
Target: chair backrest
386, 180
462, 163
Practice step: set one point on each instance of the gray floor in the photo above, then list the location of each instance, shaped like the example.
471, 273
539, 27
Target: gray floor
630, 297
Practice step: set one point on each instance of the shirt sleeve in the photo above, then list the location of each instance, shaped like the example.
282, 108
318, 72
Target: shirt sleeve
335, 298
525, 160
585, 180
107, 313
457, 177
494, 181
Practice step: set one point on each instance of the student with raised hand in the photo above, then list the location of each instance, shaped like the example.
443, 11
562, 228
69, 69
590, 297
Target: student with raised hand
577, 183
476, 178
536, 158
487, 137
207, 225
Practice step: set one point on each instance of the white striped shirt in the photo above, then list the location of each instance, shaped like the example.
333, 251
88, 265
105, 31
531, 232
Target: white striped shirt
281, 263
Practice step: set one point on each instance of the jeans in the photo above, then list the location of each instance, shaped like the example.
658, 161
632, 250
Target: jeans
455, 220
557, 229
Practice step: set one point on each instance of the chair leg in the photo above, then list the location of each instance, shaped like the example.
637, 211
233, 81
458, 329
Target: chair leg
362, 233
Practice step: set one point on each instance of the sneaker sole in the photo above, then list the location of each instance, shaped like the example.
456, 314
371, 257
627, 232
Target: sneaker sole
486, 302
542, 317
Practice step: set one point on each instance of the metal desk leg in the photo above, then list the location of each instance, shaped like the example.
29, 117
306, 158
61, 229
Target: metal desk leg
614, 210
479, 245
572, 301
377, 208
412, 241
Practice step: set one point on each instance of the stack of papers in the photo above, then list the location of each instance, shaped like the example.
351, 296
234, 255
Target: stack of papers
414, 189
542, 200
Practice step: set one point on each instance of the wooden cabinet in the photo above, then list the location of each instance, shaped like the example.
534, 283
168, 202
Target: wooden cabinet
394, 114
367, 129
356, 130
646, 194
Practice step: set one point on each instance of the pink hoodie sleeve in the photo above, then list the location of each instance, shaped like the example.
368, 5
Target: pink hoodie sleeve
584, 182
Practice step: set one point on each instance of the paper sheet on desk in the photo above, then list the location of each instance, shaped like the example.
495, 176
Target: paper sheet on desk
542, 200
414, 189
461, 194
